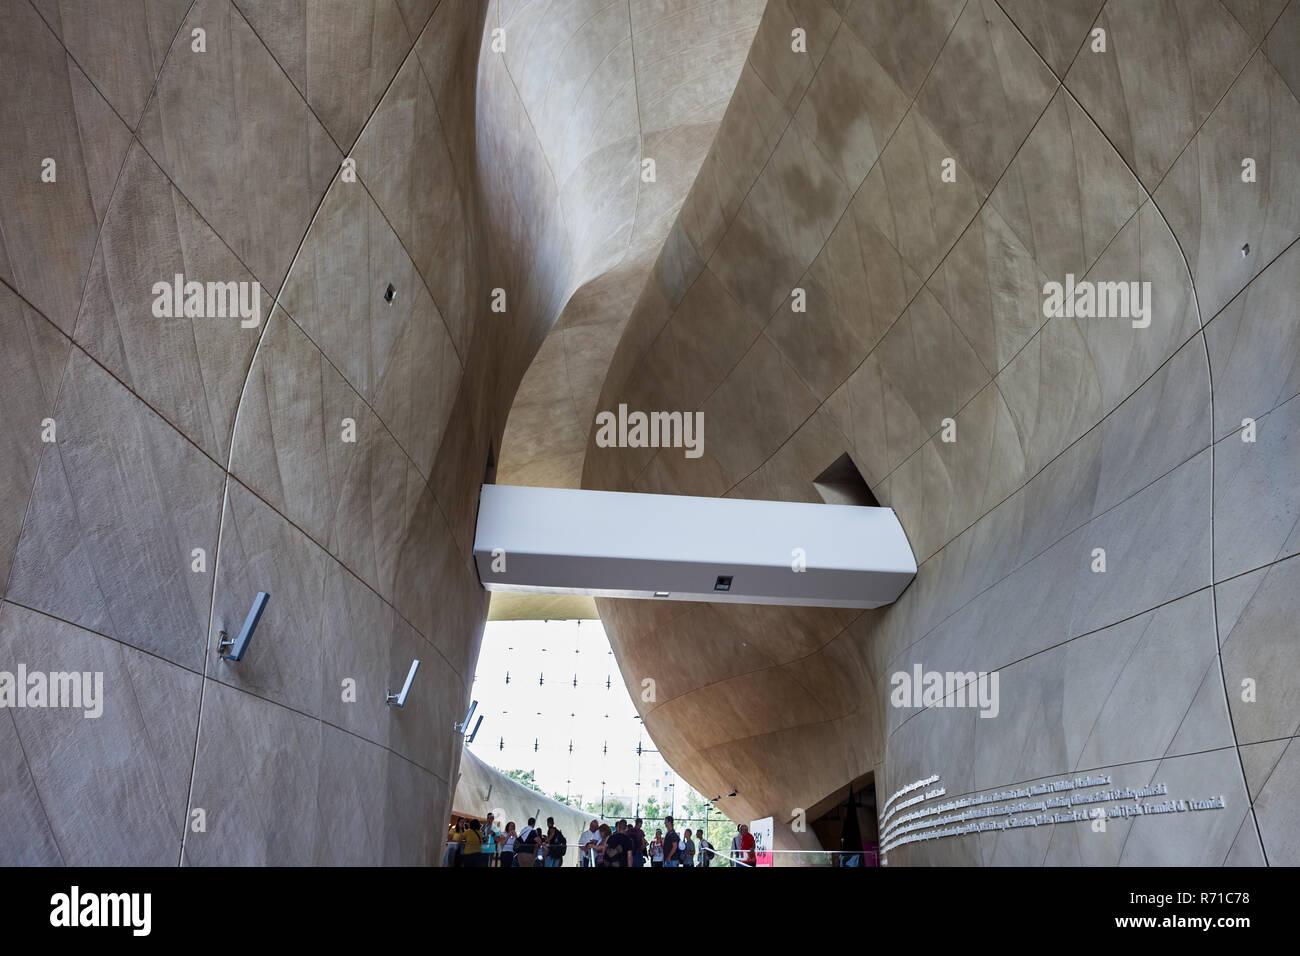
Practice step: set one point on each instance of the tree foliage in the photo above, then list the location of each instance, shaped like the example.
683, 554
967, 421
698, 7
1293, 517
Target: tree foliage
526, 777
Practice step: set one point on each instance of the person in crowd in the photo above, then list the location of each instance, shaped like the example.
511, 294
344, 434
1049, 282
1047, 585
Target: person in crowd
600, 847
486, 833
526, 845
672, 845
747, 854
706, 848
688, 849
556, 844
587, 842
638, 843
452, 855
543, 844
618, 848
657, 850
734, 859
508, 846
471, 845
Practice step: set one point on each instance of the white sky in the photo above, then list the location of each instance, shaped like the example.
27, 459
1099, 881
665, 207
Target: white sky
599, 721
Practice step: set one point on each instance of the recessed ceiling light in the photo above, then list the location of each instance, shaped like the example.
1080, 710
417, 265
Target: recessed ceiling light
661, 594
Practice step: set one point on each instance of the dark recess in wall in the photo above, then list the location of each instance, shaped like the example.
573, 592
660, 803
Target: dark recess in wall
842, 484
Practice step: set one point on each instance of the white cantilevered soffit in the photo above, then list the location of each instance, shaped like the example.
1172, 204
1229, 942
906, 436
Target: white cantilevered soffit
674, 547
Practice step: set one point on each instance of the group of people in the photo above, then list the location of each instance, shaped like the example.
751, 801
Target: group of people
481, 844
627, 846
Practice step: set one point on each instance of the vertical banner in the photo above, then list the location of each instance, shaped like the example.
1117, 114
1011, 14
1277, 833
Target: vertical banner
763, 832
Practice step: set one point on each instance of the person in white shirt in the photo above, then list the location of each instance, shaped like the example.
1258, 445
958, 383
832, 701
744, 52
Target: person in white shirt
657, 850
508, 846
735, 848
589, 840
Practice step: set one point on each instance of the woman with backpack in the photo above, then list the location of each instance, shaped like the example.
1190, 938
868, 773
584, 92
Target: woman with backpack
526, 846
556, 844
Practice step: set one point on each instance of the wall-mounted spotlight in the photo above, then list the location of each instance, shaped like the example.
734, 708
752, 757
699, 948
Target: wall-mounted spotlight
240, 644
463, 725
399, 699
477, 724
732, 794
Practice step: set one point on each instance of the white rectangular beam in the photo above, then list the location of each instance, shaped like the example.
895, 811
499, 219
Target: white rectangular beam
679, 548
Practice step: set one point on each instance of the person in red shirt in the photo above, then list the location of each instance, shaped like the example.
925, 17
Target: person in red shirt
747, 855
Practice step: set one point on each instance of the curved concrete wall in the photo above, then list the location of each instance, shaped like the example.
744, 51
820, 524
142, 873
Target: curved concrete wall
224, 164
924, 303
517, 170
583, 91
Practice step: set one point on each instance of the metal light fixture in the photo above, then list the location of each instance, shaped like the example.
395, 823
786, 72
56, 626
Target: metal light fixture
399, 699
240, 644
463, 725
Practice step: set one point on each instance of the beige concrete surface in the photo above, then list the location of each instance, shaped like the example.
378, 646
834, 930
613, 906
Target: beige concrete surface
197, 460
924, 304
484, 161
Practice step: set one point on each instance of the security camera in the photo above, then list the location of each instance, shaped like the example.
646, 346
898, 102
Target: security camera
399, 699
240, 644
